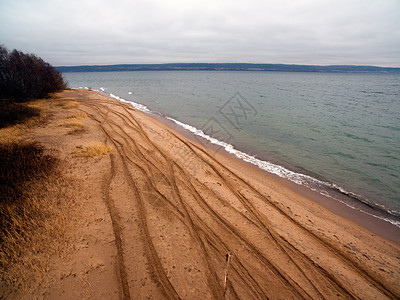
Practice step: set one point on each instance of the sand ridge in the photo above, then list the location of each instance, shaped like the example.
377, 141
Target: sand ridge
190, 223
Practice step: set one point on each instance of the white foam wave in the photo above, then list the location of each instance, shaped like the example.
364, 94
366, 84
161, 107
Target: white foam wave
265, 165
138, 106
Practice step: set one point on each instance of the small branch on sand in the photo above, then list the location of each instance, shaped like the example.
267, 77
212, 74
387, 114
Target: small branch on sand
228, 260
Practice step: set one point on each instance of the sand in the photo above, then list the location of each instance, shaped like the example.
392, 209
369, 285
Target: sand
165, 217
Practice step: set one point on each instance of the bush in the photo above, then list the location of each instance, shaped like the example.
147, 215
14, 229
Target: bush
26, 76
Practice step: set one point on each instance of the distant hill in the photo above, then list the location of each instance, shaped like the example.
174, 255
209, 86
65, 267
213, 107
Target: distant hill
229, 67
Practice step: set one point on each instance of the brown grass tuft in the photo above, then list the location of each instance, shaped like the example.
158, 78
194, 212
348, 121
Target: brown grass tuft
71, 123
94, 149
16, 113
70, 105
11, 134
78, 116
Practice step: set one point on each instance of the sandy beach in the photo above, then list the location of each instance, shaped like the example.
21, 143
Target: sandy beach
162, 216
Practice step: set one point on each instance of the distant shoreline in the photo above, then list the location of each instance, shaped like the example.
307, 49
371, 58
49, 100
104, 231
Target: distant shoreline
229, 67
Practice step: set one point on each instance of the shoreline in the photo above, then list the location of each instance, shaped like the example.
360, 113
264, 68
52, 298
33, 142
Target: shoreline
162, 216
376, 225
351, 208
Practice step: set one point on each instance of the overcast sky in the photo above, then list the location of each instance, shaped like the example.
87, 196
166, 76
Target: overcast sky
76, 32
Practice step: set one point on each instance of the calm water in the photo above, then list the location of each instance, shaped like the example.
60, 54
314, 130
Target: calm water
341, 130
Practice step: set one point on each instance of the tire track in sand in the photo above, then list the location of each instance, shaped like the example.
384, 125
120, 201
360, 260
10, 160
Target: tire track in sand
159, 272
210, 223
289, 282
116, 226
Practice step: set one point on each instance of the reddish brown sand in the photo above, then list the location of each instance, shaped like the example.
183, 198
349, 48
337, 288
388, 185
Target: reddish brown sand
161, 213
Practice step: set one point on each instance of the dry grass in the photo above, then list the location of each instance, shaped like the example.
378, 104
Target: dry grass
28, 115
78, 116
71, 123
75, 123
16, 113
38, 102
33, 215
70, 105
94, 149
11, 134
15, 124
39, 231
35, 202
20, 163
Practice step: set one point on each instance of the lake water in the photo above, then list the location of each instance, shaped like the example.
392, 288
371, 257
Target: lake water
338, 134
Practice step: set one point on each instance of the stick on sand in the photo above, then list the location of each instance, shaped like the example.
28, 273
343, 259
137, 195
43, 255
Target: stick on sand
228, 260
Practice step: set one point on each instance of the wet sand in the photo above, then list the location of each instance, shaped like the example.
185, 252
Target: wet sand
186, 222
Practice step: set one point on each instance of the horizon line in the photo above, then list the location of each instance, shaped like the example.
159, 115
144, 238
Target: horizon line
234, 67
230, 63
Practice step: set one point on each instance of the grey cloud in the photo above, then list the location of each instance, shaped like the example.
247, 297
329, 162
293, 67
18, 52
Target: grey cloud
155, 31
